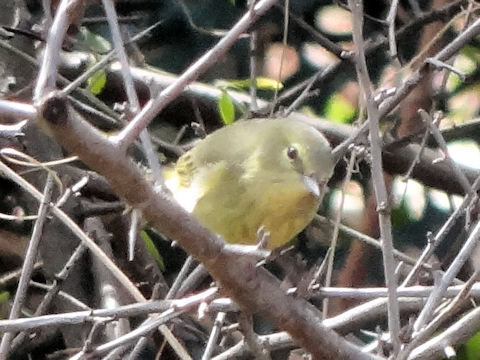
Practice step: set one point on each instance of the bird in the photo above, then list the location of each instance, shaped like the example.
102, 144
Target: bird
254, 176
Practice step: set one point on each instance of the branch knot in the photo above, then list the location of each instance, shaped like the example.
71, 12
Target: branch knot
54, 108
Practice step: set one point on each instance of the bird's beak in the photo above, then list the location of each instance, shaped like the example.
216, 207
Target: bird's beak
312, 184
315, 185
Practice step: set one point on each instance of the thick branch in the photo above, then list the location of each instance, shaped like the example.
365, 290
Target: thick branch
252, 287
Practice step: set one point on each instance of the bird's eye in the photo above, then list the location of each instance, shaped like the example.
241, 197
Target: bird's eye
292, 152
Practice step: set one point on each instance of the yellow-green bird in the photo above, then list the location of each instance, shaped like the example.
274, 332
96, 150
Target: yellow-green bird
262, 173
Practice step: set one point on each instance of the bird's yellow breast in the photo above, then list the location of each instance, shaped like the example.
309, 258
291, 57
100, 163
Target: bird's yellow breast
237, 209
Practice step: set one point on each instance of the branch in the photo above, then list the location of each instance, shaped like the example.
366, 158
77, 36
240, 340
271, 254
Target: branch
252, 287
380, 189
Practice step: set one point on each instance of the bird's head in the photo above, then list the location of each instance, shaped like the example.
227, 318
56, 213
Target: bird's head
295, 148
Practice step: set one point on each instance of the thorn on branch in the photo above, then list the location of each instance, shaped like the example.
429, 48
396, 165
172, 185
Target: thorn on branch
450, 352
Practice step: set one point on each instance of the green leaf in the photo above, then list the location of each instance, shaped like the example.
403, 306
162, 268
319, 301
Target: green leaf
226, 108
96, 43
400, 215
96, 82
152, 250
262, 83
471, 51
471, 349
4, 296
339, 110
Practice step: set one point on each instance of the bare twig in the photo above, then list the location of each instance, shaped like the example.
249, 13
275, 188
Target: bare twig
27, 269
214, 334
172, 293
442, 65
104, 61
450, 310
251, 339
134, 104
381, 195
182, 306
462, 179
73, 301
370, 241
253, 68
423, 143
403, 292
392, 14
304, 94
282, 56
14, 275
122, 278
442, 233
52, 292
154, 106
333, 245
439, 291
51, 57
458, 333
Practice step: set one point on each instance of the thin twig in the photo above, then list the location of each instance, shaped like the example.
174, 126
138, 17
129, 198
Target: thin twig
65, 219
183, 306
462, 179
423, 143
392, 14
380, 189
253, 68
154, 106
403, 292
28, 265
457, 333
439, 291
51, 56
73, 301
100, 64
251, 339
446, 53
322, 40
442, 65
214, 334
304, 94
346, 322
17, 110
78, 317
7, 278
52, 292
172, 293
442, 233
333, 245
446, 313
282, 56
63, 81
14, 130
134, 104
370, 241
143, 341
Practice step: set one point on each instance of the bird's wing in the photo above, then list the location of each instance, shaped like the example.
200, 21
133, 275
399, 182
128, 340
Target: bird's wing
222, 201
